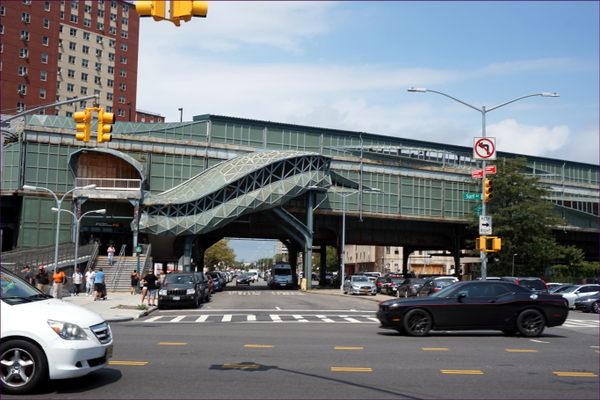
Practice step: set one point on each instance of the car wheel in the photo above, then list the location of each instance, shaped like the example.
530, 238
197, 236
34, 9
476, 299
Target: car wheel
531, 323
417, 322
23, 366
595, 308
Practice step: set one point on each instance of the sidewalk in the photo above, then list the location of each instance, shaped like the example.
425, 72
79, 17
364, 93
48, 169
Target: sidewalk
122, 306
119, 306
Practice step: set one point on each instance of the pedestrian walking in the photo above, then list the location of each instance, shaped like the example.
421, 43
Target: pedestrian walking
77, 281
135, 281
149, 288
42, 280
111, 253
58, 280
99, 286
90, 276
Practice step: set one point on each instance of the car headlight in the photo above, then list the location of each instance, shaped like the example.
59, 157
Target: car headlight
162, 292
190, 291
67, 330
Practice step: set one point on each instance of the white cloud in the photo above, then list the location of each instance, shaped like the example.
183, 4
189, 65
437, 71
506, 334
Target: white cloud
513, 137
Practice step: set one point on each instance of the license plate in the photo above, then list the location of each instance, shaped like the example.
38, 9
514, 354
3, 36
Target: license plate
109, 352
176, 298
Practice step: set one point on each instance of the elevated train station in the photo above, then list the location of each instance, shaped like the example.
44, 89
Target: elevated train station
181, 187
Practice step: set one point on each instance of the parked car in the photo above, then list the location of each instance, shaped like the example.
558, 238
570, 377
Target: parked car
180, 288
410, 287
435, 284
379, 283
588, 303
536, 285
45, 338
217, 280
205, 284
243, 279
390, 285
553, 286
559, 289
576, 291
359, 284
475, 305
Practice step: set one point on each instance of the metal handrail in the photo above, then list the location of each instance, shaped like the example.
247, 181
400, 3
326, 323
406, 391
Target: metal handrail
117, 273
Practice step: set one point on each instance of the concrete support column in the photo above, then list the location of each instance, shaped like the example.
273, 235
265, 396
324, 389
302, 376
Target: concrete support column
187, 252
322, 265
136, 221
309, 240
406, 252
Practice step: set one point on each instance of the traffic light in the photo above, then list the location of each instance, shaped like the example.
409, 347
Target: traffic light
488, 244
156, 9
480, 243
487, 190
105, 119
82, 124
496, 244
184, 10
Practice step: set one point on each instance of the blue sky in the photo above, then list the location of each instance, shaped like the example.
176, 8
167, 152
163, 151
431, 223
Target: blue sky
347, 65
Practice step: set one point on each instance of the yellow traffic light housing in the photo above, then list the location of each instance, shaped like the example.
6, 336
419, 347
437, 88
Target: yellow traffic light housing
83, 121
488, 244
156, 9
487, 190
184, 10
180, 10
105, 119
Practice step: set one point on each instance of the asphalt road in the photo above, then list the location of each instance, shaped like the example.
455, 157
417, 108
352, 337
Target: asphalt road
251, 343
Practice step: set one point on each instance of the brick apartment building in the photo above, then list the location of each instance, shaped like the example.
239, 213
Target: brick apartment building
58, 50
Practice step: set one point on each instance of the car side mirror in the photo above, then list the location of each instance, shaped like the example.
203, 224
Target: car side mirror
461, 296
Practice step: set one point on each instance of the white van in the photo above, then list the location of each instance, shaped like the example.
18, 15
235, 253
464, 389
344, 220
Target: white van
46, 338
281, 276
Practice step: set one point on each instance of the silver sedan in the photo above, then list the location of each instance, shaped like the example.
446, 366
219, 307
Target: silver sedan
359, 284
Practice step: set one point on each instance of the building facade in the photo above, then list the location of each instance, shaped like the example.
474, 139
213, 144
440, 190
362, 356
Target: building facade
59, 50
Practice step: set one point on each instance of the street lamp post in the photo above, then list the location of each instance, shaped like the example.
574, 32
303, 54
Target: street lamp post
513, 265
343, 243
77, 225
180, 109
483, 110
58, 207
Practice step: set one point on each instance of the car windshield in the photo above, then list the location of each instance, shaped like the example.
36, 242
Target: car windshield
361, 278
444, 282
179, 279
445, 292
282, 271
15, 290
569, 289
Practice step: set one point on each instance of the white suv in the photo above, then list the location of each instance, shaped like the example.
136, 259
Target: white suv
45, 338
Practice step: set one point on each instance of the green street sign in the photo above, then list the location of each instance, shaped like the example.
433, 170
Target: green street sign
471, 196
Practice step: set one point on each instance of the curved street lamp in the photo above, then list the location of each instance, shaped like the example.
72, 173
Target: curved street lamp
58, 207
483, 110
77, 224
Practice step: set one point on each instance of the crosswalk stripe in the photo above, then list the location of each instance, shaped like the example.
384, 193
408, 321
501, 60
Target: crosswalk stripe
178, 318
300, 318
324, 318
353, 320
275, 317
154, 319
202, 318
251, 317
227, 318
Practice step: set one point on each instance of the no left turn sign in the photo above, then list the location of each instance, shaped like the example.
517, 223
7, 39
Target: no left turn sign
484, 148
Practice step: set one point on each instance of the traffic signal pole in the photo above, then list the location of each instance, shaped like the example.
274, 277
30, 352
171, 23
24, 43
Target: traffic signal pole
58, 103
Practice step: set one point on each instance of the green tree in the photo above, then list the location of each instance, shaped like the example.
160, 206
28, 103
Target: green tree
219, 252
523, 218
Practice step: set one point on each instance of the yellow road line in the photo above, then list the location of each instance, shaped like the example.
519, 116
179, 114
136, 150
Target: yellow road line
259, 346
351, 369
461, 371
575, 374
130, 363
172, 343
434, 348
348, 348
521, 351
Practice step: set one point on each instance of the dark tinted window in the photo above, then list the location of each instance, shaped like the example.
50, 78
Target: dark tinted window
535, 284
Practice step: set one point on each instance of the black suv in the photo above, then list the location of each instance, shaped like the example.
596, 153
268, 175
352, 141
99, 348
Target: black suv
536, 285
180, 288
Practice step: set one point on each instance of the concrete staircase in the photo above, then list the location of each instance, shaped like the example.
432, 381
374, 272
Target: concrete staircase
117, 276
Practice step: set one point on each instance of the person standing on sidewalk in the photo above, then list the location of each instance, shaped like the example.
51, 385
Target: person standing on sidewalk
99, 286
135, 282
77, 280
58, 279
90, 276
111, 253
149, 288
42, 280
